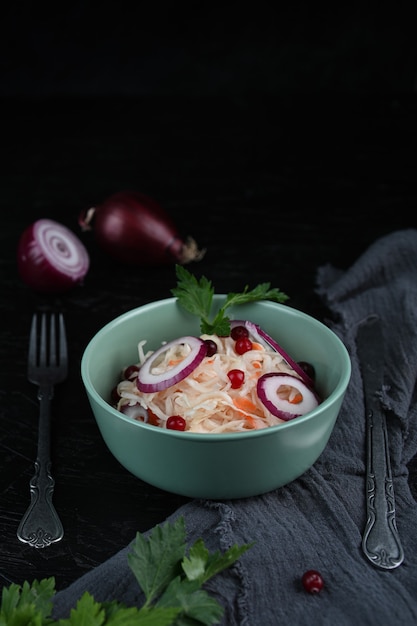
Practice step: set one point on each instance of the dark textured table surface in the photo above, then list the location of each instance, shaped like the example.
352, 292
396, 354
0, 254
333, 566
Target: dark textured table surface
273, 188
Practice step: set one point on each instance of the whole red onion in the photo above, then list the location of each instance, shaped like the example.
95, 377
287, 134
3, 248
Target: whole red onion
134, 229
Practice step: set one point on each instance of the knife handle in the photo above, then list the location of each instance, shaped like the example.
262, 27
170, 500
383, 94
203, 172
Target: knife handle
381, 542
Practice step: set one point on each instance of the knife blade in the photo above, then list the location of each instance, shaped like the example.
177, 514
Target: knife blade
380, 542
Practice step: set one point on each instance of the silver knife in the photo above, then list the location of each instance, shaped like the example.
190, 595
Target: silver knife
381, 542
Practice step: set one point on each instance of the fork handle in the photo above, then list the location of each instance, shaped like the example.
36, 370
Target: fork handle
40, 525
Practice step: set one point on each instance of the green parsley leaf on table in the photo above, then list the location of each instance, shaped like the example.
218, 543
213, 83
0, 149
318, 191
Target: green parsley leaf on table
157, 560
202, 565
28, 603
170, 577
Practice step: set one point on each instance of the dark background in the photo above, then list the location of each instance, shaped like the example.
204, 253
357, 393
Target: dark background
280, 140
171, 49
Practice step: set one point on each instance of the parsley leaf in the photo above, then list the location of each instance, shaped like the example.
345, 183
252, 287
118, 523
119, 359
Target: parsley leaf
22, 605
87, 611
196, 604
156, 560
202, 565
196, 297
170, 578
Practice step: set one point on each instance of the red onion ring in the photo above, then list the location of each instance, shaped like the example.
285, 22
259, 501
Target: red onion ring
50, 258
263, 338
268, 386
135, 411
149, 383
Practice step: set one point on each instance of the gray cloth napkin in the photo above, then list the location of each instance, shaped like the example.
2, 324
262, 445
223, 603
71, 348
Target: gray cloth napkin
317, 521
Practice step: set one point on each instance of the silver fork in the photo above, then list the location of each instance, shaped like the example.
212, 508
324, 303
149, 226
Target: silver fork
47, 366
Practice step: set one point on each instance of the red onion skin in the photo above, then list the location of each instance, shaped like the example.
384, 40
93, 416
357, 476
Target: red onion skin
37, 272
134, 229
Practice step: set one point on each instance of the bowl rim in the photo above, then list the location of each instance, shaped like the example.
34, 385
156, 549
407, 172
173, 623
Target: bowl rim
335, 396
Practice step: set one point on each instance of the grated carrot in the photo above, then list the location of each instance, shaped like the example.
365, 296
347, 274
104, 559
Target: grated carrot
296, 399
175, 361
244, 404
257, 346
250, 422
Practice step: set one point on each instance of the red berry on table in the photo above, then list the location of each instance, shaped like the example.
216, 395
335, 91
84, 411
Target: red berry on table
312, 581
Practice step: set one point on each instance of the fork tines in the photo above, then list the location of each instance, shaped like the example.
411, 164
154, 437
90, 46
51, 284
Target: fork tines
47, 343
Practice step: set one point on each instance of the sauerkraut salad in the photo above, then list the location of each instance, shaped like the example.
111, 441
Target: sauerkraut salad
217, 384
233, 377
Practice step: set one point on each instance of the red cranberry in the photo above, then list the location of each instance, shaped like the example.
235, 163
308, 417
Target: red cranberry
211, 347
114, 395
312, 581
176, 422
237, 378
243, 345
131, 372
238, 332
308, 368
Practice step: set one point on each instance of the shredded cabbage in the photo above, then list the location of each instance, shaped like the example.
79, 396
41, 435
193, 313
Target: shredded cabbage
205, 398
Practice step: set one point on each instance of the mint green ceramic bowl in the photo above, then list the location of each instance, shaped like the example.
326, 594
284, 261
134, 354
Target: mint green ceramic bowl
215, 466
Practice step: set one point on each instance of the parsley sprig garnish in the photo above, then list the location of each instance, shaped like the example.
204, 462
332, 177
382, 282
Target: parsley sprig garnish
170, 577
196, 296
